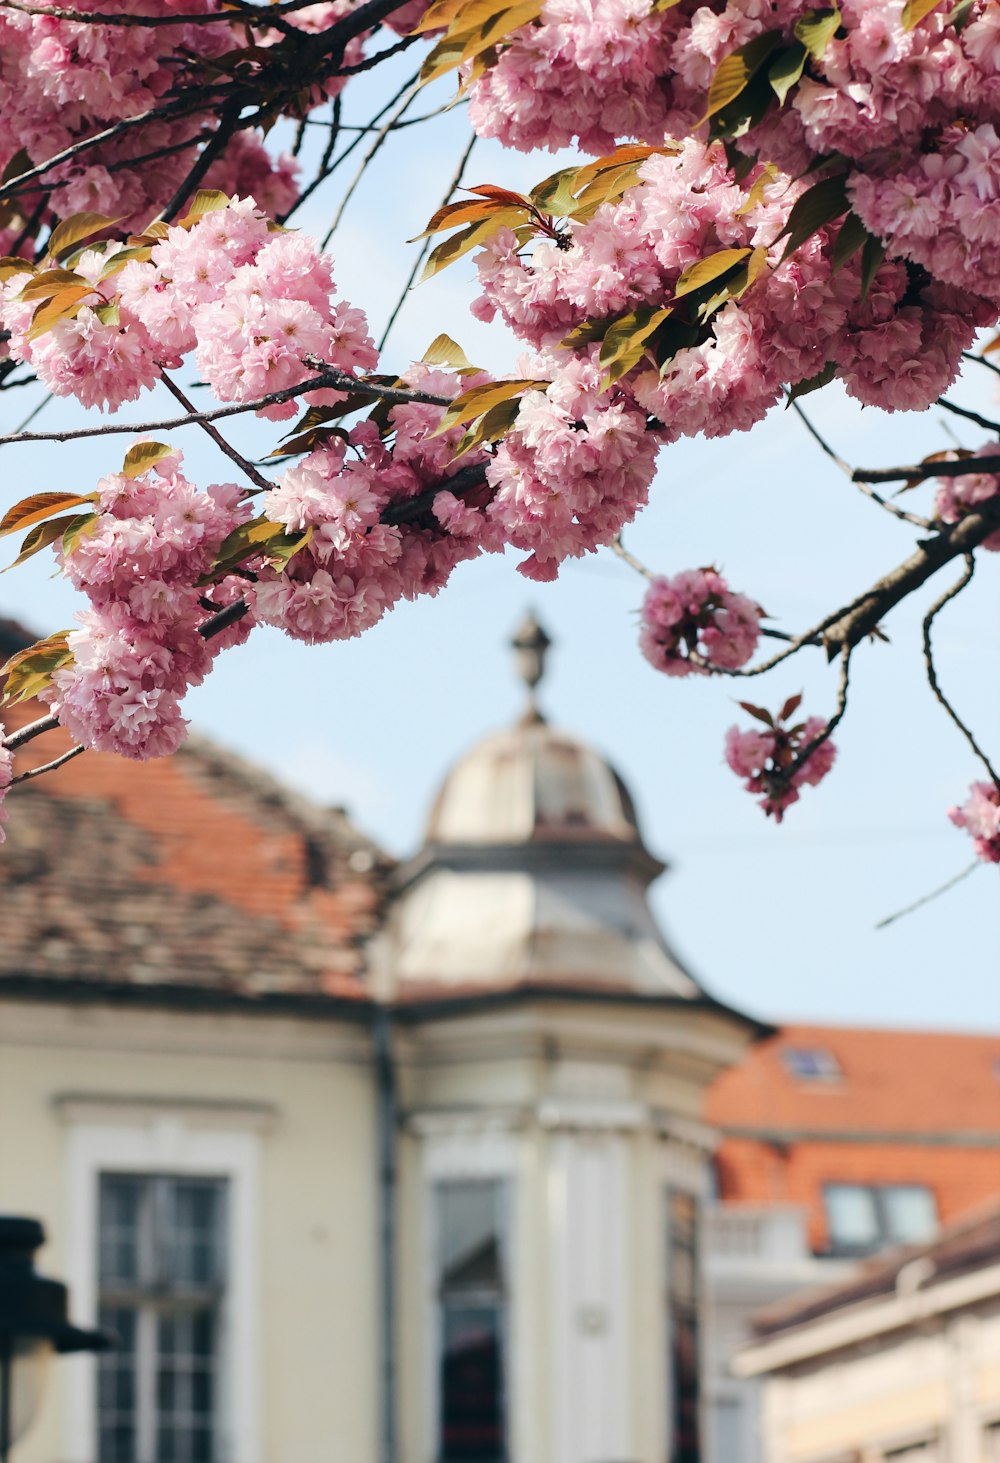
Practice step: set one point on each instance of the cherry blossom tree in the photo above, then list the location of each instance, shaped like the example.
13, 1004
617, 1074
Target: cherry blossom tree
767, 197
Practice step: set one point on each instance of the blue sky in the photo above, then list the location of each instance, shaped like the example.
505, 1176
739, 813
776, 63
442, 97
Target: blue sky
777, 920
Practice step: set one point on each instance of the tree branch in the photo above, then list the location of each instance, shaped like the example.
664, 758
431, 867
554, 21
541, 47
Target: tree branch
29, 732
230, 451
921, 471
48, 766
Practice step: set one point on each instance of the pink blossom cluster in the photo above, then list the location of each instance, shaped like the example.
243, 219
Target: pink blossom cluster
139, 649
250, 302
63, 80
366, 551
6, 777
765, 759
958, 496
914, 115
898, 346
695, 621
573, 471
979, 815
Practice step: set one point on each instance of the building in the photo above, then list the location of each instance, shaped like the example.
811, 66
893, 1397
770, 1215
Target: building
360, 1161
902, 1362
835, 1143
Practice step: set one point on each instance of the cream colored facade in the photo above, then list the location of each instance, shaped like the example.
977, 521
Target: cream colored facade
281, 1107
913, 1375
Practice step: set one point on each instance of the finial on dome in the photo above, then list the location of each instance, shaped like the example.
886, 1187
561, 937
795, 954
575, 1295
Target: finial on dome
530, 644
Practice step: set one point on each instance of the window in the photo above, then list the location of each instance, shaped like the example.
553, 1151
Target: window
811, 1063
472, 1321
161, 1280
682, 1326
862, 1218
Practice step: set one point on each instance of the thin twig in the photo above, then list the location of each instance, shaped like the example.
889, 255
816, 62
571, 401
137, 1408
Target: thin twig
380, 137
970, 416
926, 898
425, 247
980, 360
858, 481
337, 380
619, 548
936, 607
234, 456
48, 766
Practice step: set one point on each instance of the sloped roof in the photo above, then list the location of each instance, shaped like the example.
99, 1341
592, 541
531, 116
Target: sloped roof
192, 871
891, 1082
969, 1243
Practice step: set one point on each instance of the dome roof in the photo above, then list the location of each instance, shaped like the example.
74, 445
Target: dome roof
532, 783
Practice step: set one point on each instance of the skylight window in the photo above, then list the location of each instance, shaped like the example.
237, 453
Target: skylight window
811, 1063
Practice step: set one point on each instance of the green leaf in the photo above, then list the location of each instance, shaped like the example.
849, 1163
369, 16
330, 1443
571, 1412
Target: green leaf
62, 306
735, 71
785, 70
38, 507
709, 269
814, 383
557, 194
285, 546
83, 524
959, 17
479, 399
819, 205
109, 314
443, 351
80, 226
851, 236
871, 258
31, 670
740, 164
143, 455
914, 11
745, 111
816, 29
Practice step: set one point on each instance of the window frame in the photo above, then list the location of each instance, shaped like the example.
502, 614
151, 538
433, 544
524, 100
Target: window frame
110, 1136
153, 1296
500, 1183
877, 1192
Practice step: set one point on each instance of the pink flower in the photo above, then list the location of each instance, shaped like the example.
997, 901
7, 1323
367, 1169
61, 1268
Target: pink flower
979, 815
695, 614
766, 760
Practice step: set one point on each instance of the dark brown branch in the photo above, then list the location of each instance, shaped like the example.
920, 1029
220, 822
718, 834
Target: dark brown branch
970, 416
921, 471
932, 679
239, 15
929, 556
28, 733
230, 451
228, 123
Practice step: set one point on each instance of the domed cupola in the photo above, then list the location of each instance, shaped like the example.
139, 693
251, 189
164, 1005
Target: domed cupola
533, 871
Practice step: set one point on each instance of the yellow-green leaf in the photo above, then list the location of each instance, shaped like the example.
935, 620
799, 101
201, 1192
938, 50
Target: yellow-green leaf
79, 226
707, 270
30, 671
736, 70
914, 12
458, 244
479, 35
786, 69
816, 29
285, 546
48, 283
492, 425
39, 506
143, 455
624, 342
62, 306
41, 536
814, 383
479, 399
206, 200
443, 351
10, 265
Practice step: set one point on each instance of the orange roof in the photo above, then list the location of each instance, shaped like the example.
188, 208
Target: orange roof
890, 1082
191, 871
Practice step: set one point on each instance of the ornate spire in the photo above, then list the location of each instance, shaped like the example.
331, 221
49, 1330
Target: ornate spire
530, 644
